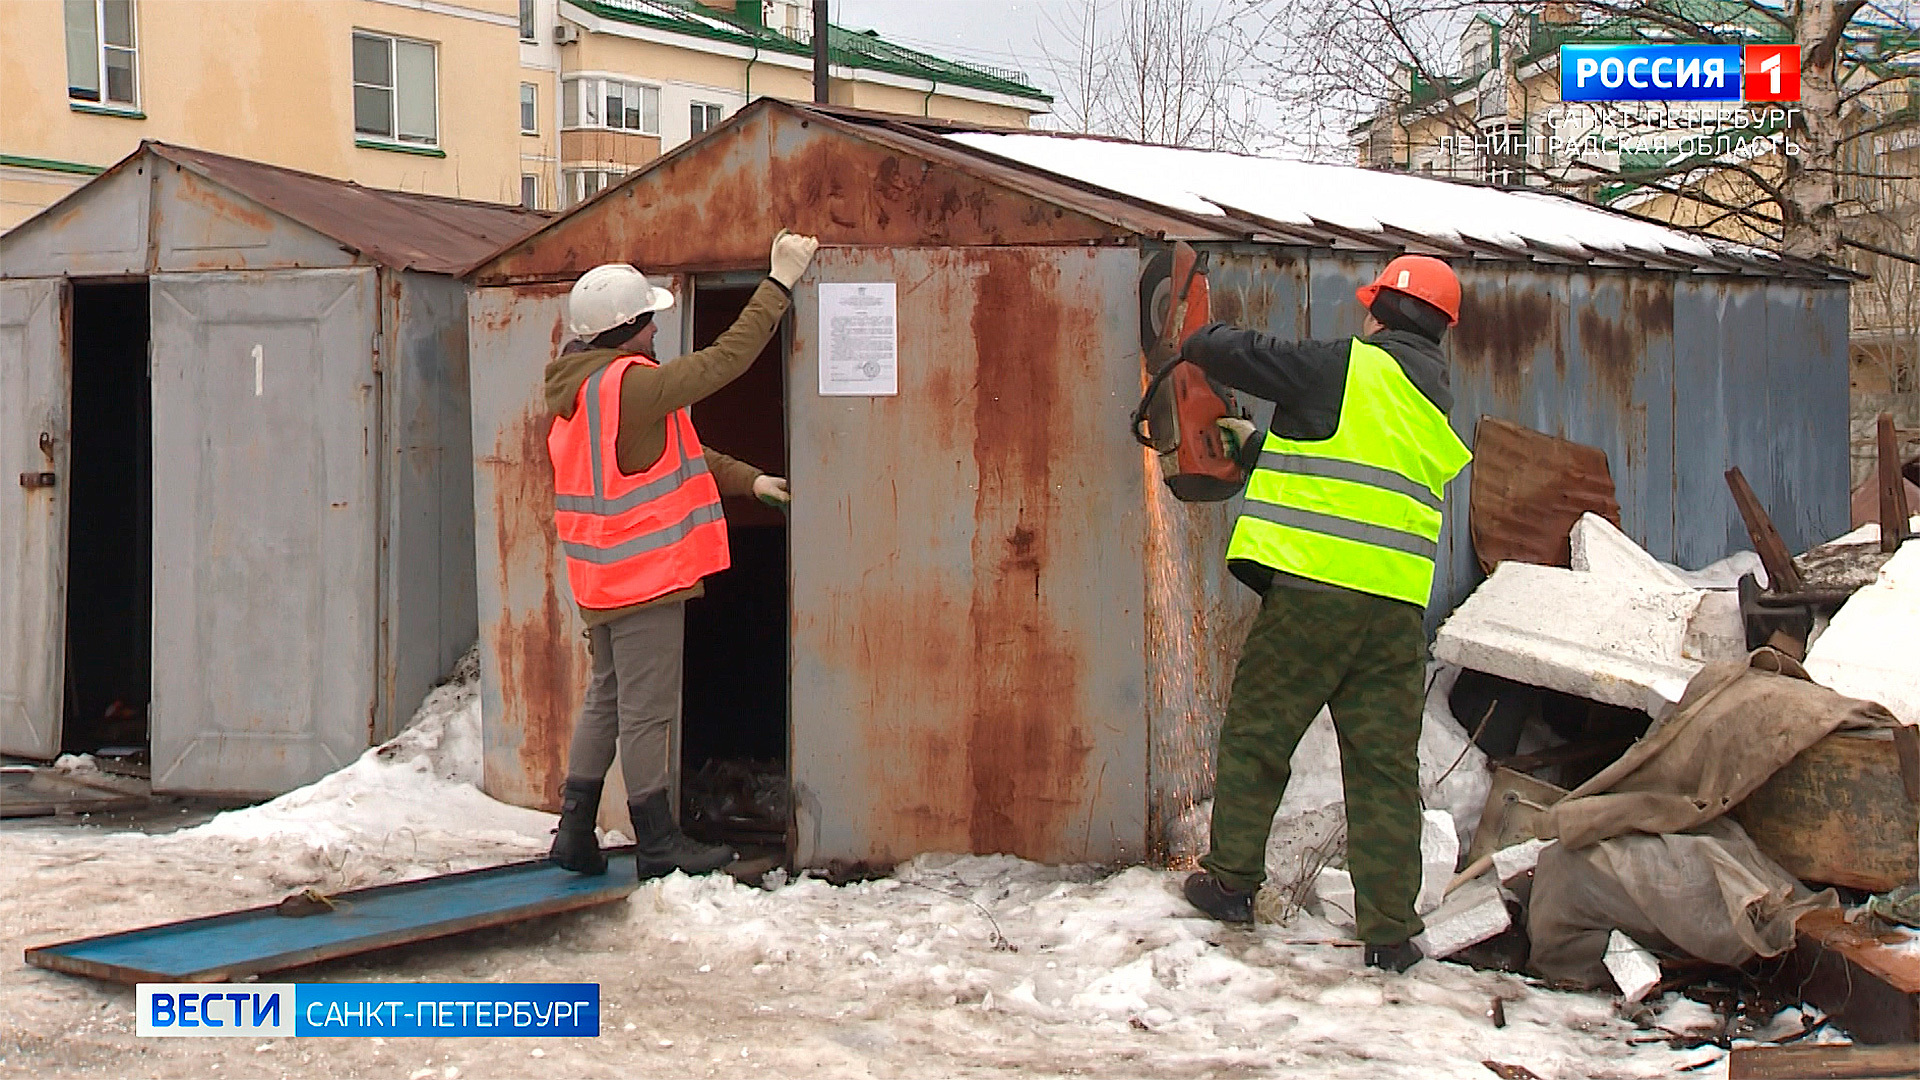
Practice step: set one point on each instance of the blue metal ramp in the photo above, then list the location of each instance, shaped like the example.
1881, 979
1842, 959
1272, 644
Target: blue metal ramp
232, 946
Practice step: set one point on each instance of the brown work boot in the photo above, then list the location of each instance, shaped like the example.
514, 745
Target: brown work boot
662, 848
1218, 900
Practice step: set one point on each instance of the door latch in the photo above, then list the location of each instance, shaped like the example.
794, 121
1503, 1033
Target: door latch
31, 480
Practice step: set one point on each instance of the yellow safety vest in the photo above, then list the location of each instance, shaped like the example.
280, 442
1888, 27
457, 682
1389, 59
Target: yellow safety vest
1360, 510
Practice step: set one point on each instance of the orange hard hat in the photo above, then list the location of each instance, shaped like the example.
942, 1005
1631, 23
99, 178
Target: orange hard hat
1422, 277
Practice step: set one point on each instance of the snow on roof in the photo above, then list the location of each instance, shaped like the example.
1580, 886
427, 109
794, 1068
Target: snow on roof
1347, 197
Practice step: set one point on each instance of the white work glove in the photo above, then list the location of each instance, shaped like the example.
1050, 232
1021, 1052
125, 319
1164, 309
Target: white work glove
1234, 434
792, 253
771, 490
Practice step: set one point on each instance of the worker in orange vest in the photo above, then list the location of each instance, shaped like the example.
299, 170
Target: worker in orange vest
637, 510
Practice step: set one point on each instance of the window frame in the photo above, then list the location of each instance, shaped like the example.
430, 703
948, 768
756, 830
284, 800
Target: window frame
530, 191
714, 115
395, 138
584, 97
529, 107
530, 21
101, 98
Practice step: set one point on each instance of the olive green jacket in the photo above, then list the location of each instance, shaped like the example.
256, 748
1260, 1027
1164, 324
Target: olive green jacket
648, 395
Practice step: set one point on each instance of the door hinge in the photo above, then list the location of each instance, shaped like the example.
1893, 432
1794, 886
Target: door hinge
31, 480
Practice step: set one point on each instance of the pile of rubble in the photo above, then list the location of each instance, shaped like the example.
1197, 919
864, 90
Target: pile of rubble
1660, 779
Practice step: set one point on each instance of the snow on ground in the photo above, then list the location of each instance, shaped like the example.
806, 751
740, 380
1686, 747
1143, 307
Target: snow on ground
955, 966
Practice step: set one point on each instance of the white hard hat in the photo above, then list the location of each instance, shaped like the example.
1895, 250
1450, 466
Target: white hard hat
611, 294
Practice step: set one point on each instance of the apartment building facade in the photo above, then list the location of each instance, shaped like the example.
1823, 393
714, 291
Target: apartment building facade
539, 102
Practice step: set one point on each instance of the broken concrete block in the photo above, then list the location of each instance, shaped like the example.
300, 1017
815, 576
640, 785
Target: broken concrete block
1511, 862
1868, 649
1600, 548
1725, 574
1619, 642
1439, 855
1635, 970
1716, 630
1470, 915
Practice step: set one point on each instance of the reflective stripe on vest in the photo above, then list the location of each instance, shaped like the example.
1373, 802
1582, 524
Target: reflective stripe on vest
630, 538
1362, 509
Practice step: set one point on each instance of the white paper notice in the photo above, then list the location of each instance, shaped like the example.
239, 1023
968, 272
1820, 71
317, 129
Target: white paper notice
859, 346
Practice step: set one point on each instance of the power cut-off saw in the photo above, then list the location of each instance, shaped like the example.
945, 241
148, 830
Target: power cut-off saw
1180, 410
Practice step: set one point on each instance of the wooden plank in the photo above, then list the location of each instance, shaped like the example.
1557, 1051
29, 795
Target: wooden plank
1893, 489
234, 945
1839, 814
1782, 576
1869, 984
1528, 490
1841, 1062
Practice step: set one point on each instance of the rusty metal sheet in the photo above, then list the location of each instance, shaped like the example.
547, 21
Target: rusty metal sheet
1529, 489
533, 661
399, 229
35, 414
202, 224
716, 203
967, 669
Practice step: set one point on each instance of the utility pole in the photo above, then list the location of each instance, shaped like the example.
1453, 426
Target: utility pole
820, 78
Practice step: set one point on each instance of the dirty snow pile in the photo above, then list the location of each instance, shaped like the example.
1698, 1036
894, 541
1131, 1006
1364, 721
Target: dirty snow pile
1013, 953
409, 806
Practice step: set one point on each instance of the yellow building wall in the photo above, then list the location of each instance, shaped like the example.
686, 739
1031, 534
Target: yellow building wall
271, 82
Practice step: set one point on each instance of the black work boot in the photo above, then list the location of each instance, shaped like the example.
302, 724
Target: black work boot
1395, 958
661, 848
1217, 899
575, 847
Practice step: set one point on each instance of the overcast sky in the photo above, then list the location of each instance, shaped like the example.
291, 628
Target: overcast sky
999, 33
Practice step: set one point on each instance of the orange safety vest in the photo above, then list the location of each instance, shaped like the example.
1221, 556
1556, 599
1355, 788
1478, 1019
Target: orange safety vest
631, 538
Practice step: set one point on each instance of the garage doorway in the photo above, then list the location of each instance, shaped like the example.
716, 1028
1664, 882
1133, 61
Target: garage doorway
109, 638
733, 745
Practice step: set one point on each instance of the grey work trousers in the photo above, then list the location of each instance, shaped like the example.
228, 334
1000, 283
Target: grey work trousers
633, 697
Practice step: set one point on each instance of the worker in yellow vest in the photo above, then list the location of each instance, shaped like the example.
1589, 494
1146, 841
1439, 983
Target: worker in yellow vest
1338, 534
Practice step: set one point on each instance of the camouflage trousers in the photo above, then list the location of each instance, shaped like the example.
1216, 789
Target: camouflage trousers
1363, 657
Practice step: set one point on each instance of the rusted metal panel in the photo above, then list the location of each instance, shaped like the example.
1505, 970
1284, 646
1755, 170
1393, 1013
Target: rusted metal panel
967, 566
100, 229
715, 204
265, 537
1808, 403
36, 372
398, 229
199, 224
427, 575
533, 660
1197, 614
1528, 490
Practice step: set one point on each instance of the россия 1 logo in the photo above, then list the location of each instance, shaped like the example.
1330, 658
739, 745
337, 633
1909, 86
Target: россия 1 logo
1679, 72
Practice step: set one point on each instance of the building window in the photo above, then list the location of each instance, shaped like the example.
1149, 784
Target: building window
530, 191
101, 58
579, 185
528, 15
529, 109
610, 103
705, 117
394, 93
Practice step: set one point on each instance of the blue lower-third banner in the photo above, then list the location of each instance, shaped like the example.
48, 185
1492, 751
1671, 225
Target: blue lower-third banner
253, 1010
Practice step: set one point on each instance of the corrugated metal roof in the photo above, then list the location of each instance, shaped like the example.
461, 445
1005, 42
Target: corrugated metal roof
400, 229
1347, 207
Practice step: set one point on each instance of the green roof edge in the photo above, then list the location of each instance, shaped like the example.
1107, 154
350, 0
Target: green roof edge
939, 71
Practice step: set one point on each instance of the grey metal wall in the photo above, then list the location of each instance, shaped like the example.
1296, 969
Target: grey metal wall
967, 651
430, 615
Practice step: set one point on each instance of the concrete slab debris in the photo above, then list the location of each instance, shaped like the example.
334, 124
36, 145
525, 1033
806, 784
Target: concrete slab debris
1470, 915
1634, 969
1599, 547
1868, 650
1618, 642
